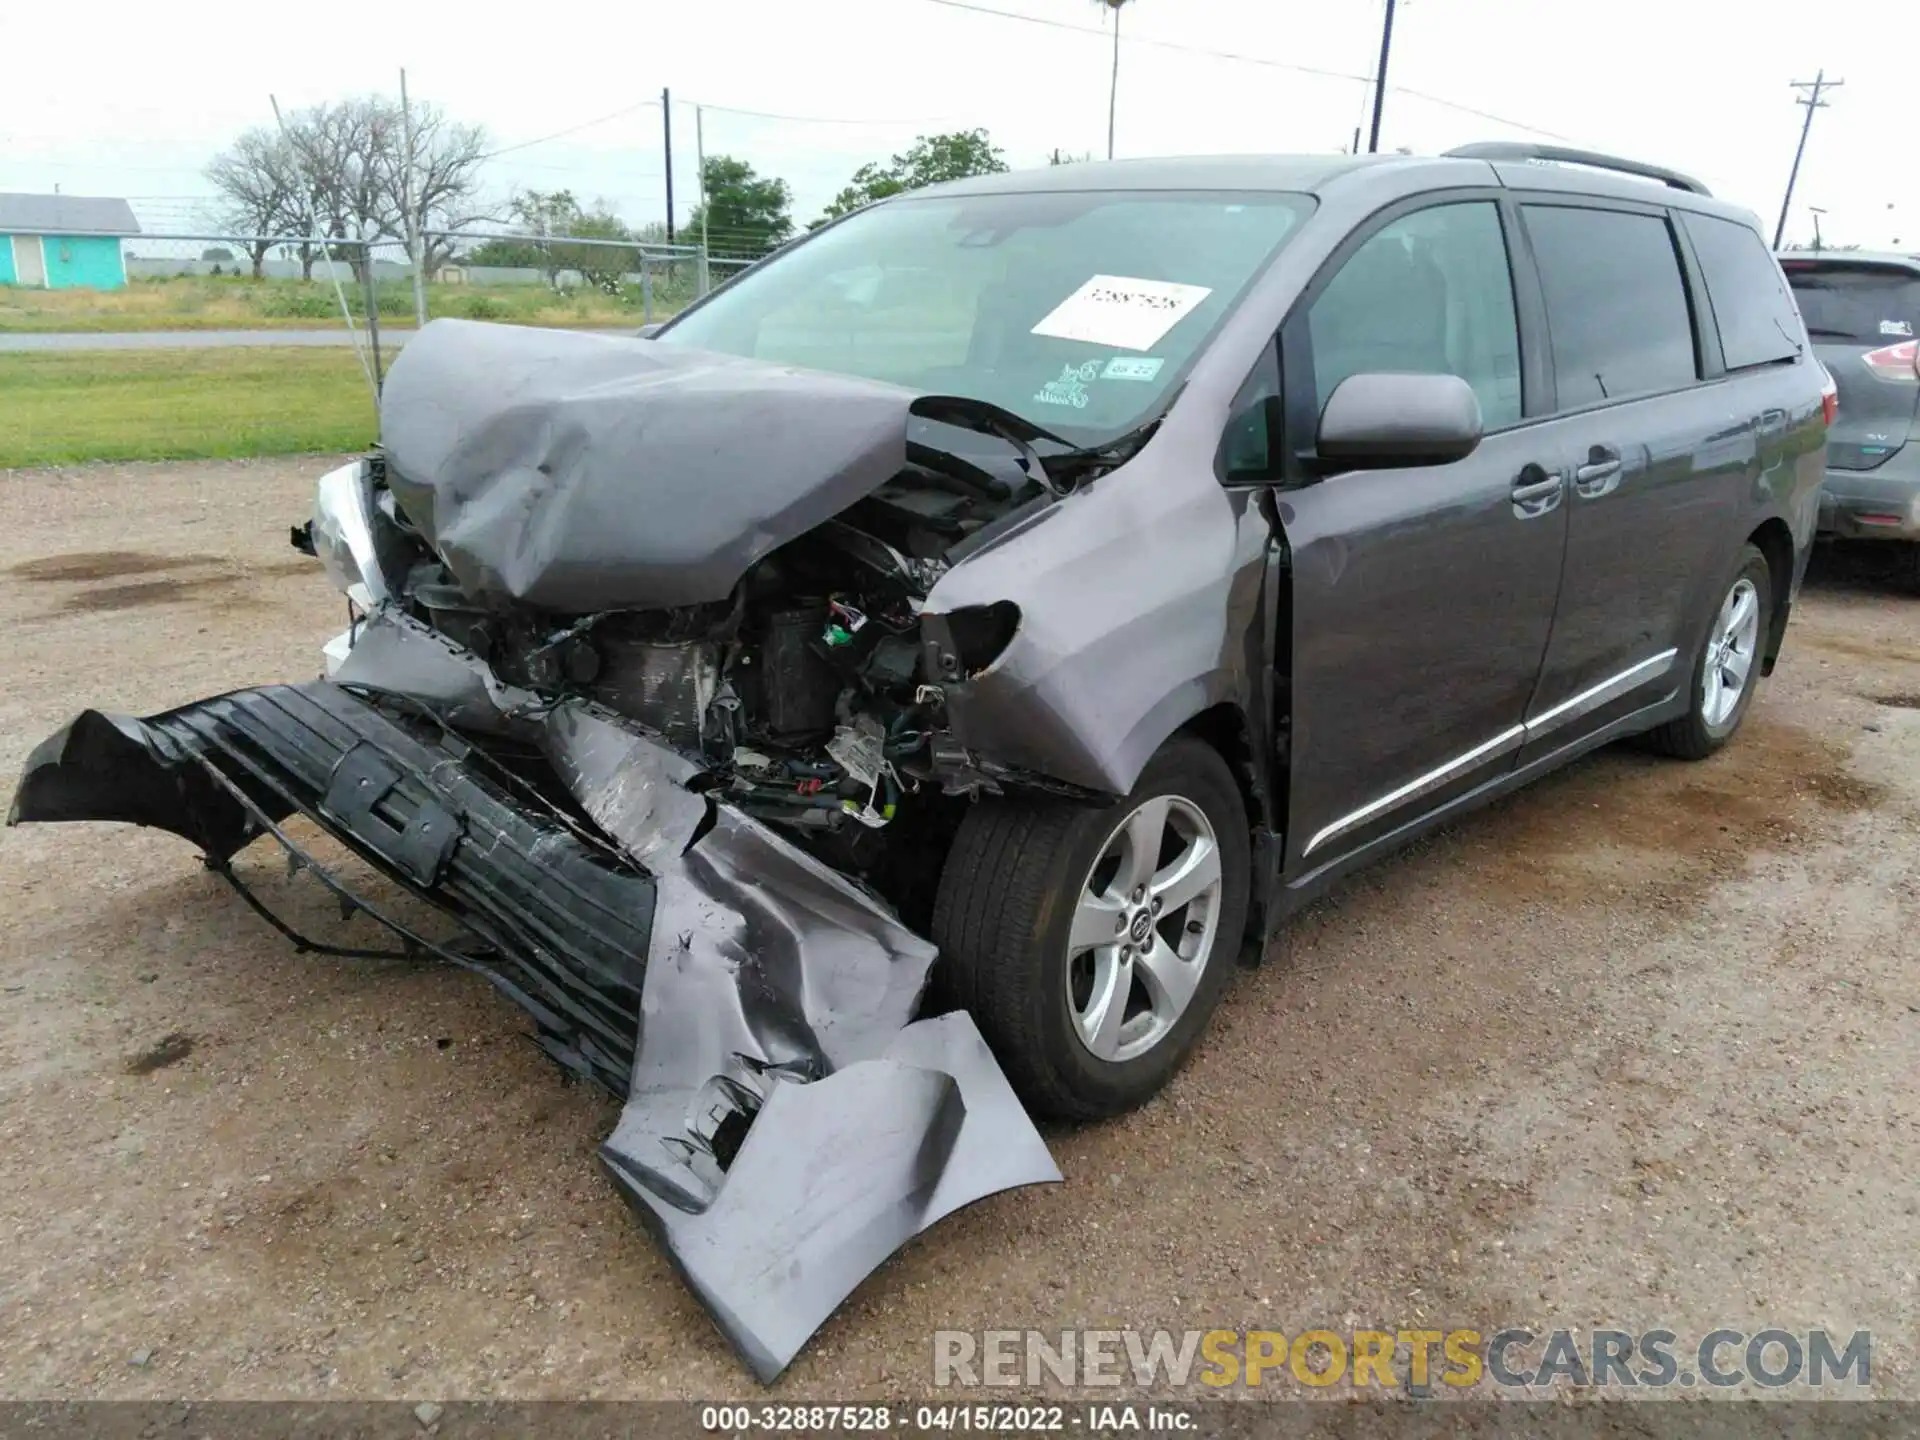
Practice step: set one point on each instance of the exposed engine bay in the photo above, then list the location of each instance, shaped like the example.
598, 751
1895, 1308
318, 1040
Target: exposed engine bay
811, 696
807, 691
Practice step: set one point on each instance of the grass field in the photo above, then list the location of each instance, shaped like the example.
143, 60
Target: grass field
180, 404
238, 303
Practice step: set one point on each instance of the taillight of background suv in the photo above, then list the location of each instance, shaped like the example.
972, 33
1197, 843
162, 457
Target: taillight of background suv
1897, 363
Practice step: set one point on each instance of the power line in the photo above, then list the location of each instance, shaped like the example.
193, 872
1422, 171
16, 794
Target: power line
1243, 59
820, 119
1148, 40
1482, 114
586, 167
570, 130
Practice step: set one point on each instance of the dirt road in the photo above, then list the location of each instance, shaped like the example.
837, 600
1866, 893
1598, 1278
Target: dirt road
1637, 1047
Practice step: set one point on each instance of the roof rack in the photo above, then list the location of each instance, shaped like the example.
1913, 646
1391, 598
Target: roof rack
1563, 155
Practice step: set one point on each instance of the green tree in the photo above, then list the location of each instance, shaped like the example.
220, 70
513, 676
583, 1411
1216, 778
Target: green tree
507, 252
745, 214
928, 161
555, 224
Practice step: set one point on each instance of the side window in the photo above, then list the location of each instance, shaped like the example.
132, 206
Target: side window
1430, 293
1616, 303
1247, 447
1758, 320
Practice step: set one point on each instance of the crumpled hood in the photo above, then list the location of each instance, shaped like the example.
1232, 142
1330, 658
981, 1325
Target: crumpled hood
579, 473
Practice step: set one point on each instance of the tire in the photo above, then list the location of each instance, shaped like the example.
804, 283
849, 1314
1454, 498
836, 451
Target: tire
1012, 887
1710, 722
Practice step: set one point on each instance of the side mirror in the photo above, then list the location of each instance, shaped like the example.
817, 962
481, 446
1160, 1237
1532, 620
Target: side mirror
1382, 420
647, 332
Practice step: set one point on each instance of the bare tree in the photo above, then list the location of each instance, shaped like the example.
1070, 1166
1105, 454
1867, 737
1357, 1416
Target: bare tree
349, 152
336, 170
262, 192
446, 160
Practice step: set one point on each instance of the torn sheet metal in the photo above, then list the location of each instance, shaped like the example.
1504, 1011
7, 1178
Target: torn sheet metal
862, 1159
544, 466
787, 1125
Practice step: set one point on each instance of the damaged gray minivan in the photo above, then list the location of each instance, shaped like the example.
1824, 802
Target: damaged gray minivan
886, 700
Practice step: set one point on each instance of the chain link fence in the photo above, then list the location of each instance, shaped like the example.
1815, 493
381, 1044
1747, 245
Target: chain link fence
218, 281
306, 330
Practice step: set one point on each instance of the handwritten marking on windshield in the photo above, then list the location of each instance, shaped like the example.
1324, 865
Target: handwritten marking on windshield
1121, 312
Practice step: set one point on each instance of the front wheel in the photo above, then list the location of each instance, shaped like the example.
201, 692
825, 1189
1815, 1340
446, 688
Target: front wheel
1091, 945
1726, 667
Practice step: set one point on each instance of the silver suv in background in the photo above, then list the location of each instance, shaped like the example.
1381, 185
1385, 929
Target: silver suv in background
1862, 312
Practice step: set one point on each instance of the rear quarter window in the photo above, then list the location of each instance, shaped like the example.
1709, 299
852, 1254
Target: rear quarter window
1758, 322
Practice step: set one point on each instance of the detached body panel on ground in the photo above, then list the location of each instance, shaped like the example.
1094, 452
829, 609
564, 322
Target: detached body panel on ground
787, 1124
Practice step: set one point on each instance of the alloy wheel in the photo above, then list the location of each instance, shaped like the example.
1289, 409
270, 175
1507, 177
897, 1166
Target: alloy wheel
1145, 925
1730, 654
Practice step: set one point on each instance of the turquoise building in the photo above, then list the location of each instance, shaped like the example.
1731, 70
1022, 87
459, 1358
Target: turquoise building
55, 242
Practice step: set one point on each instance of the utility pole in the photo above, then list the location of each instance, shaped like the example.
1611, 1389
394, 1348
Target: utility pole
1113, 85
700, 160
1380, 80
1816, 212
1811, 99
666, 121
414, 247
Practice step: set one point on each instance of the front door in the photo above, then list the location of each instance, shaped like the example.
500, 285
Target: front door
1422, 597
29, 264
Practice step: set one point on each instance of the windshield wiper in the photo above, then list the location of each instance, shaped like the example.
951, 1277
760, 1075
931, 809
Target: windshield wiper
1078, 463
985, 418
1059, 470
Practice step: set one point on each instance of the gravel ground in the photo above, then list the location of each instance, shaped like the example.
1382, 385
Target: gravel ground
1637, 1047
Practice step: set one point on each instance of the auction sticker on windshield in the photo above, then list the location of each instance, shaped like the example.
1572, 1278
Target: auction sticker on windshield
1132, 367
1124, 313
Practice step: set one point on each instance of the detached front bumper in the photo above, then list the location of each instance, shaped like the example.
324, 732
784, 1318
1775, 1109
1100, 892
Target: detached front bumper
554, 917
787, 1123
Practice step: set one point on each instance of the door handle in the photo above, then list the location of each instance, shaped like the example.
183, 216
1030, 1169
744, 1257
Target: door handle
1537, 491
1599, 475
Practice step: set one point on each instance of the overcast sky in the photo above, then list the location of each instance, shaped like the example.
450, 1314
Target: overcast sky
1699, 85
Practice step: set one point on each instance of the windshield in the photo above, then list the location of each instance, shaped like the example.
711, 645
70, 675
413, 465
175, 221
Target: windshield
1076, 311
1859, 304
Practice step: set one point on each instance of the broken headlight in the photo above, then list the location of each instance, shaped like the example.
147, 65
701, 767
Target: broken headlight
343, 534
